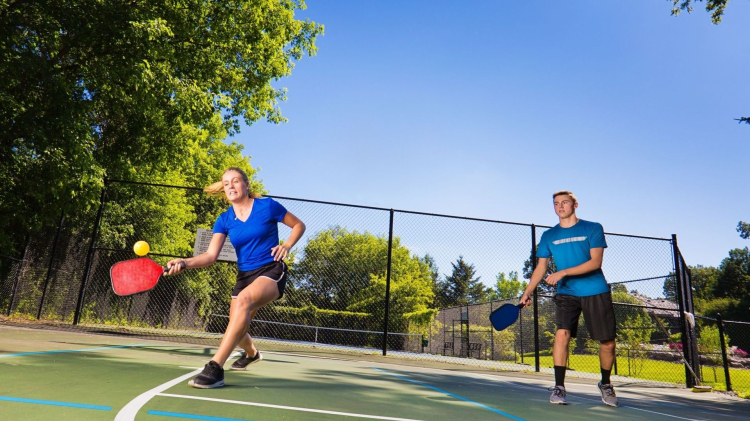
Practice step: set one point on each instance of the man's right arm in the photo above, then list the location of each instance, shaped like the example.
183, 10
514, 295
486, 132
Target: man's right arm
536, 277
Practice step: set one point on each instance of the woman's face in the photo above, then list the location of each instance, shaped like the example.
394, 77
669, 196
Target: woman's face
234, 186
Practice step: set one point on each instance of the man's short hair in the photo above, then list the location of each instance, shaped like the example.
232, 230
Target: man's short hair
565, 192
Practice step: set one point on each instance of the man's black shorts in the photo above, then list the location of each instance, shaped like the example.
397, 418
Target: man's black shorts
597, 310
274, 270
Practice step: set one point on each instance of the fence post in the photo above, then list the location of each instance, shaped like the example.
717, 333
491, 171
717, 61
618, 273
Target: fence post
90, 255
520, 334
684, 336
492, 338
18, 276
388, 285
51, 262
724, 359
536, 301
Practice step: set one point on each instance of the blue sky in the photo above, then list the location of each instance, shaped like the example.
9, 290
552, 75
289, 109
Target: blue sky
484, 108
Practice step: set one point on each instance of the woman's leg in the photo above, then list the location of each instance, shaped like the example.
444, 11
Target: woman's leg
246, 343
261, 292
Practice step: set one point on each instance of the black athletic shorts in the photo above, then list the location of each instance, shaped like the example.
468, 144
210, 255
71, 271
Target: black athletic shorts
276, 271
597, 310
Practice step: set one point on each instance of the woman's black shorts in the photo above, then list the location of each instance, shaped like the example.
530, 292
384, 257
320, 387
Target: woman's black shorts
597, 310
276, 271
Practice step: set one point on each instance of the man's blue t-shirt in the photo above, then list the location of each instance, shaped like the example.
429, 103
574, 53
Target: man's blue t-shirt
572, 247
254, 238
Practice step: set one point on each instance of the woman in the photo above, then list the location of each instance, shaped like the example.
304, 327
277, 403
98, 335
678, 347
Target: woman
251, 223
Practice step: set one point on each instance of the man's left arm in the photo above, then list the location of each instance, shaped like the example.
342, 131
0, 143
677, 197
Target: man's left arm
597, 255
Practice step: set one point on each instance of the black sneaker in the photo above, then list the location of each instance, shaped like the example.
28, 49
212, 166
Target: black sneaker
211, 377
244, 361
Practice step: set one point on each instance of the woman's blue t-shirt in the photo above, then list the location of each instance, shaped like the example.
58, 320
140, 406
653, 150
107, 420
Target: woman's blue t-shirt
254, 238
572, 247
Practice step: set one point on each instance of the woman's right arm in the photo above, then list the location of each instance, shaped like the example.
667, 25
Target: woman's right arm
202, 260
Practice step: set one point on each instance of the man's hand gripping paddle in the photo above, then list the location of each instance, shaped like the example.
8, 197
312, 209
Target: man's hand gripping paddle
137, 275
505, 315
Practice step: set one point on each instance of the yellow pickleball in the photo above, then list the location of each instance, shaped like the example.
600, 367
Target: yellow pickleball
141, 248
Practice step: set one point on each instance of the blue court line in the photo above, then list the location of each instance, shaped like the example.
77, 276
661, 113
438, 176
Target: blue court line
193, 417
69, 350
54, 403
481, 405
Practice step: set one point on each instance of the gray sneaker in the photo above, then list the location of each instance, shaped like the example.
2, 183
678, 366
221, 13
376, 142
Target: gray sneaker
608, 394
558, 396
244, 361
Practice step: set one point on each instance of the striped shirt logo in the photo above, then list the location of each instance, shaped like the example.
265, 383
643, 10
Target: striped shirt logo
568, 240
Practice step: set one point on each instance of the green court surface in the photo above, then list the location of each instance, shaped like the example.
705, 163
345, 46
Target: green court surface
61, 375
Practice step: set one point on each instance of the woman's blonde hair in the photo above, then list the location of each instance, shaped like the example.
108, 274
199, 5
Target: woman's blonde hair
217, 189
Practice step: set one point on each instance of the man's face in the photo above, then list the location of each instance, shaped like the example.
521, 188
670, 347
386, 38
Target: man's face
565, 206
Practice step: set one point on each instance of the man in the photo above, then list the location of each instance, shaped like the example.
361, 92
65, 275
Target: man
578, 249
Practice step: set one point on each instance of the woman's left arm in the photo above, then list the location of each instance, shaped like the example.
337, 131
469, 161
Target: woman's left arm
298, 228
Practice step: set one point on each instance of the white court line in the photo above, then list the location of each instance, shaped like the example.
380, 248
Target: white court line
502, 379
499, 379
291, 408
128, 412
577, 396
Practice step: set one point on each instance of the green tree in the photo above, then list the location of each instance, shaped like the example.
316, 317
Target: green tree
715, 7
704, 280
508, 287
461, 287
734, 281
343, 270
91, 88
634, 328
744, 229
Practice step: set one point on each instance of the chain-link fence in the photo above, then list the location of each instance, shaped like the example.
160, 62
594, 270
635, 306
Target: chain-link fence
362, 279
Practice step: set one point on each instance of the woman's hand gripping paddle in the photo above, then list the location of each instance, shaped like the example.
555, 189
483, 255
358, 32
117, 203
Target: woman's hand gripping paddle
133, 276
505, 315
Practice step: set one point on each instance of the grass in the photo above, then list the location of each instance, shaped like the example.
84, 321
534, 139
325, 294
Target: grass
662, 371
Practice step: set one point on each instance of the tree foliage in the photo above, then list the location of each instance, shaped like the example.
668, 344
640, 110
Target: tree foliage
744, 229
461, 287
715, 7
93, 88
634, 323
734, 281
508, 287
704, 280
343, 270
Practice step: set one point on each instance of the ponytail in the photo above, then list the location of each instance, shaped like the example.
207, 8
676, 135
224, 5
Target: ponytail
217, 189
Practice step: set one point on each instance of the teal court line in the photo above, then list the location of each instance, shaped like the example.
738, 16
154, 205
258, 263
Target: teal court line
193, 417
54, 403
481, 405
69, 350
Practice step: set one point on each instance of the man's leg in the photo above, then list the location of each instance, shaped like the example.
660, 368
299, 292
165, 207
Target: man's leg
607, 359
560, 360
600, 311
560, 353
